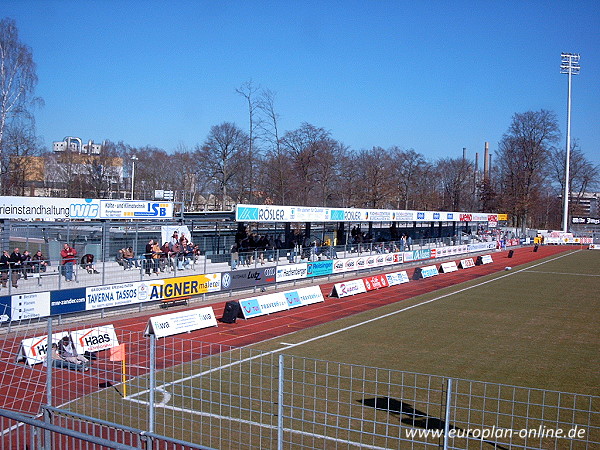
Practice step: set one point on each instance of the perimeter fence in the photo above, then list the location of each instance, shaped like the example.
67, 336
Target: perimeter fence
181, 393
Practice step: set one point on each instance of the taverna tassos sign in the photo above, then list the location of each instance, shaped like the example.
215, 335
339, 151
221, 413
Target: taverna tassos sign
51, 208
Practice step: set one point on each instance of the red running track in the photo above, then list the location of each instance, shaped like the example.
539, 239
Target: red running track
23, 388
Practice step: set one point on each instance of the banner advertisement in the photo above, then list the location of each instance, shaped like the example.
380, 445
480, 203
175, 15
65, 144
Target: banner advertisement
54, 208
319, 268
310, 295
275, 213
448, 267
135, 209
375, 282
30, 306
181, 322
111, 295
264, 304
348, 288
397, 278
67, 301
95, 339
428, 271
485, 259
185, 286
34, 350
466, 263
245, 278
291, 272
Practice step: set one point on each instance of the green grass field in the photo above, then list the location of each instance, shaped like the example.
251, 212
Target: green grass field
538, 327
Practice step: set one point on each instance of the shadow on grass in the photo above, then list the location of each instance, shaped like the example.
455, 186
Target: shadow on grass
415, 417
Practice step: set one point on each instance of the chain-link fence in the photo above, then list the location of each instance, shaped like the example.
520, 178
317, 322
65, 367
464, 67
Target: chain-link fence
205, 395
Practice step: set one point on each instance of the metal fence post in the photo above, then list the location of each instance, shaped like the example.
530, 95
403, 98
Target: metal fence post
447, 414
47, 417
152, 383
280, 405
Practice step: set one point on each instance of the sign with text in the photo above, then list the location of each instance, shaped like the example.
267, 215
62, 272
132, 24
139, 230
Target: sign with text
348, 288
55, 208
95, 339
397, 278
181, 322
448, 267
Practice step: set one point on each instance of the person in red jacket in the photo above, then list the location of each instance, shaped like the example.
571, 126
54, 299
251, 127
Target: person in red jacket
69, 258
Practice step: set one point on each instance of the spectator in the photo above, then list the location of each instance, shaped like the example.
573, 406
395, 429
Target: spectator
26, 263
16, 265
148, 255
4, 267
159, 257
69, 258
68, 352
61, 363
87, 263
128, 258
235, 256
39, 262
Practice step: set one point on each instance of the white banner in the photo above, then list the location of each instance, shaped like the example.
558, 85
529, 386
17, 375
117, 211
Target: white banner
449, 267
30, 306
95, 339
348, 288
291, 272
56, 208
181, 322
34, 350
397, 278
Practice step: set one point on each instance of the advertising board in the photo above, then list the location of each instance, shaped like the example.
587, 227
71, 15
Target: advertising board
291, 272
181, 322
245, 278
56, 208
397, 278
347, 288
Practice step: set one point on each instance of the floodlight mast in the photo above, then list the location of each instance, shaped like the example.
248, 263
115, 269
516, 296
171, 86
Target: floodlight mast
569, 65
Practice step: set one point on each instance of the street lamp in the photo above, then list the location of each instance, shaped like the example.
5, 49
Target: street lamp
133, 160
570, 65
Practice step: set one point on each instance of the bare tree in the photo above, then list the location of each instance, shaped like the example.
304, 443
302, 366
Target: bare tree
407, 167
248, 91
17, 78
222, 158
583, 174
276, 163
455, 175
374, 169
523, 153
306, 147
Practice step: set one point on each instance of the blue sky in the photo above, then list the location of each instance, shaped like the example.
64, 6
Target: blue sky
435, 76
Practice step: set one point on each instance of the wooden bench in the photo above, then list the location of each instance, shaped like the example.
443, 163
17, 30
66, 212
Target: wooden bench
175, 301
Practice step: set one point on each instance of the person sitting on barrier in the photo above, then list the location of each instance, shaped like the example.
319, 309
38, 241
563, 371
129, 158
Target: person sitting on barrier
128, 258
61, 363
39, 262
67, 351
87, 263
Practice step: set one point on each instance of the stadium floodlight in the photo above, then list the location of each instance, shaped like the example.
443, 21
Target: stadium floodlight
569, 65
